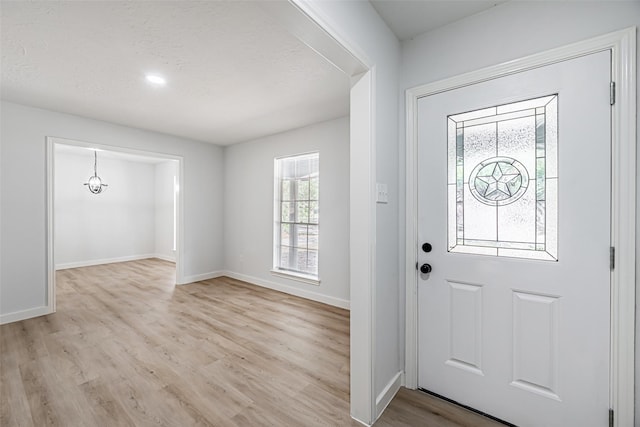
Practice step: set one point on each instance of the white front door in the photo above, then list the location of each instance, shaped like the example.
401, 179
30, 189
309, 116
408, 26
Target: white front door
514, 200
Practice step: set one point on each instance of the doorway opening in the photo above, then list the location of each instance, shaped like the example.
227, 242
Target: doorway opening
136, 216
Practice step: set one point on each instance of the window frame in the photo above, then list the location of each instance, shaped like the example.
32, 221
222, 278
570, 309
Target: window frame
279, 200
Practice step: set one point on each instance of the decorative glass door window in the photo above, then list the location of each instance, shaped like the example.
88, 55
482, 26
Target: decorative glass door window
503, 180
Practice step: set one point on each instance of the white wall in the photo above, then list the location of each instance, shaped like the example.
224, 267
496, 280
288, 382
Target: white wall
23, 272
509, 31
164, 192
248, 207
118, 223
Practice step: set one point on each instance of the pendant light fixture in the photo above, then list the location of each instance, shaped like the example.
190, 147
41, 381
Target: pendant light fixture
95, 183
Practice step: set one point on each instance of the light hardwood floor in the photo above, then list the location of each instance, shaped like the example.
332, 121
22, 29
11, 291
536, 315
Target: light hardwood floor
127, 348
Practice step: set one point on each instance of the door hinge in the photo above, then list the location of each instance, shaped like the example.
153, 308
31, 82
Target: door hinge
612, 257
612, 93
610, 417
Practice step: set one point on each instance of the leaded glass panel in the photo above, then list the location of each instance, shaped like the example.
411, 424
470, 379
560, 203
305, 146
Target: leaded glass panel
502, 180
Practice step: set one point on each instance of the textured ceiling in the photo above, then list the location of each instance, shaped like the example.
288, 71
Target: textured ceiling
233, 73
408, 18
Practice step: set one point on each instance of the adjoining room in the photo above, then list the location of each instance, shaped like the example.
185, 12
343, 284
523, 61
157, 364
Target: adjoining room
132, 214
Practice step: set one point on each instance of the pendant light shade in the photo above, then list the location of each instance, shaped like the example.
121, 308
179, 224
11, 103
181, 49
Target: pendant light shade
95, 184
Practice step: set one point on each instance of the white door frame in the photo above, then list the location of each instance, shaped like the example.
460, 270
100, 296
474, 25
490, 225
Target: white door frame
51, 267
307, 22
622, 45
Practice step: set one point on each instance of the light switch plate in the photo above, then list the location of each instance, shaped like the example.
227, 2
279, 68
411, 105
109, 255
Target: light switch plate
382, 193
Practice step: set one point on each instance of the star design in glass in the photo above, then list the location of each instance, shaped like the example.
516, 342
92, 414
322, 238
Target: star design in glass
498, 181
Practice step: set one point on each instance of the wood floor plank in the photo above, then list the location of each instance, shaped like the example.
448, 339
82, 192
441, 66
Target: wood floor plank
54, 399
129, 348
39, 395
14, 403
105, 406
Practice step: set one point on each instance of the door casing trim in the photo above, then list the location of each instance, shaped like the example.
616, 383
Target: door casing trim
622, 45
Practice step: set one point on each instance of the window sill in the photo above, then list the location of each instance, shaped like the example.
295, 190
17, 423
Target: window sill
298, 277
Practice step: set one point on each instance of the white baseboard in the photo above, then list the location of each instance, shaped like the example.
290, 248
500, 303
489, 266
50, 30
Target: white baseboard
103, 261
169, 258
199, 277
16, 316
291, 290
386, 396
361, 422
403, 380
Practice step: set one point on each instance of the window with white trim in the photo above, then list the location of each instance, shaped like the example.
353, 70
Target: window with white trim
296, 225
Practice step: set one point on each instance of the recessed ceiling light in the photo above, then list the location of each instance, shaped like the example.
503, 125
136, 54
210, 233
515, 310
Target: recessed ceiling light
156, 80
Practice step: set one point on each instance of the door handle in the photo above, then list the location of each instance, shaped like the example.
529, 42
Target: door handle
425, 268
